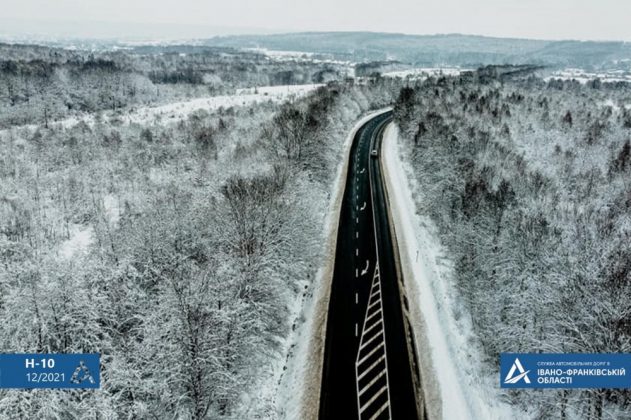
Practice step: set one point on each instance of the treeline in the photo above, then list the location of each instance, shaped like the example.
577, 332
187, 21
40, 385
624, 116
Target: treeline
39, 85
528, 183
173, 250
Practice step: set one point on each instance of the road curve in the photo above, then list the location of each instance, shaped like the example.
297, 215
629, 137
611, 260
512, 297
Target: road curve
369, 369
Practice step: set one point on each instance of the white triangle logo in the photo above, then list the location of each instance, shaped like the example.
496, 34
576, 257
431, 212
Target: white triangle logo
523, 374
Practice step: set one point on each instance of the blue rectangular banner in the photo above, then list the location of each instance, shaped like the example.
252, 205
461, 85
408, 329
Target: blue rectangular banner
50, 370
565, 370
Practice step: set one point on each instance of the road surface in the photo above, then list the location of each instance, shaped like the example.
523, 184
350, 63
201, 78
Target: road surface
369, 366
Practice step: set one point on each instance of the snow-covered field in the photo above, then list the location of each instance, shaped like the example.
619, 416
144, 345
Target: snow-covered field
178, 110
302, 56
456, 385
244, 97
583, 76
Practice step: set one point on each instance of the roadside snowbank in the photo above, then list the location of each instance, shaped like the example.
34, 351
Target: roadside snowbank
451, 368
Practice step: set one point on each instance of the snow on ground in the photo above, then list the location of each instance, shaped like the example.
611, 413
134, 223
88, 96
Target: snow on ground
175, 111
299, 391
456, 384
178, 110
111, 206
81, 237
583, 76
424, 72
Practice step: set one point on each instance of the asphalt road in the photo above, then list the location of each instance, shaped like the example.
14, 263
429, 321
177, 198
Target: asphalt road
369, 368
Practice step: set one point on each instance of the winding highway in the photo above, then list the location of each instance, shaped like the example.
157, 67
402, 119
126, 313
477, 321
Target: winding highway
370, 371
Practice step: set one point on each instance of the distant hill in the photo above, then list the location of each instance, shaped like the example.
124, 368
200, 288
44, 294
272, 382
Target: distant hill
430, 50
417, 50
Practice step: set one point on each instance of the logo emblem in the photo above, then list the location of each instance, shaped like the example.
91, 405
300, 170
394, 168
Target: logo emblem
523, 374
82, 370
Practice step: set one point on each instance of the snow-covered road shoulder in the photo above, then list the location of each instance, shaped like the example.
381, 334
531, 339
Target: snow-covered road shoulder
450, 363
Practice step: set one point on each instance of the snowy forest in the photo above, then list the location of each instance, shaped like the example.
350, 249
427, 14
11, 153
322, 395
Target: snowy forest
39, 84
529, 184
174, 248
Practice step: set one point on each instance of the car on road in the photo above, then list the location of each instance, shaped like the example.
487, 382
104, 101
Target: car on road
374, 153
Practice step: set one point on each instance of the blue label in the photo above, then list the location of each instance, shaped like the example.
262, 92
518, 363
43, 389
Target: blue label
565, 370
50, 371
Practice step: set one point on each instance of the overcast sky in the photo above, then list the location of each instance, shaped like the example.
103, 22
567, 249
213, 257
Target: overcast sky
543, 19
